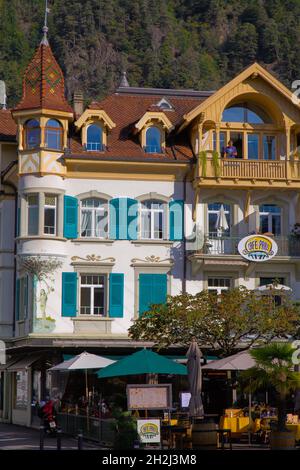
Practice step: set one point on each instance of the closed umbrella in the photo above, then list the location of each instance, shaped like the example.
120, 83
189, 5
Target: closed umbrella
221, 222
195, 380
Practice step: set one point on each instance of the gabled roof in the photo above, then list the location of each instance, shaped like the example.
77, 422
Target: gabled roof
254, 70
43, 83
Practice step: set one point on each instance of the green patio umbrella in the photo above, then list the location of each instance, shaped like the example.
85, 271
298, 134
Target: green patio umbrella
142, 362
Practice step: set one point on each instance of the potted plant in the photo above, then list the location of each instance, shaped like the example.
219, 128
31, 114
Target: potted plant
125, 429
274, 368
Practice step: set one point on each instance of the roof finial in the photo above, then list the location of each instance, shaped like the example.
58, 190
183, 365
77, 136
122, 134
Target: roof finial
45, 27
124, 81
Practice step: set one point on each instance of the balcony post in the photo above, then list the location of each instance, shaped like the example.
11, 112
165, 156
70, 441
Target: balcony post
288, 152
218, 138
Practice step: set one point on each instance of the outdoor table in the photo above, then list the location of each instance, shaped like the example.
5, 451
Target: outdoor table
296, 430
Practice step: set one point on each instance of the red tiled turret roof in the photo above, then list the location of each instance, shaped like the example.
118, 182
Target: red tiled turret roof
43, 83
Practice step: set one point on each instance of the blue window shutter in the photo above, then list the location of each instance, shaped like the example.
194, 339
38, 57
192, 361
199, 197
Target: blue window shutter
132, 219
69, 295
152, 290
18, 222
122, 222
114, 219
26, 297
17, 299
116, 295
159, 289
176, 209
70, 217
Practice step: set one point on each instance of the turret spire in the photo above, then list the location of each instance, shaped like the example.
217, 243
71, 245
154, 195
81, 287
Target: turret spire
44, 41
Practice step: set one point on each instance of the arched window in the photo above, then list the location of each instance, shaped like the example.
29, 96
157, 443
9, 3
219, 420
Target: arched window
94, 218
153, 140
32, 134
245, 113
94, 138
53, 135
153, 219
270, 219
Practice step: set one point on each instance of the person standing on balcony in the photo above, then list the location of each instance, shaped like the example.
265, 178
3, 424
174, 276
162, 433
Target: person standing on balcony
230, 150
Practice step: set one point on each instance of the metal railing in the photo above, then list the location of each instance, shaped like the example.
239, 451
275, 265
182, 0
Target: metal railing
221, 245
96, 429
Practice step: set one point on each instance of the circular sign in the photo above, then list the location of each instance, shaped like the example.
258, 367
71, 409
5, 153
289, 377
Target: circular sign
257, 248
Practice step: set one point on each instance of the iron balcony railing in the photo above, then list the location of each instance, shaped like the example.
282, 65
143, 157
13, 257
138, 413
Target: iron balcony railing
222, 245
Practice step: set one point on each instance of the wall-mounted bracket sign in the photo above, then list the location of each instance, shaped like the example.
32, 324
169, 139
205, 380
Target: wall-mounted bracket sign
257, 248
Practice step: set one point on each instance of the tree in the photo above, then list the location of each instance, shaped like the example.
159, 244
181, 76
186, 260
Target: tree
274, 368
236, 318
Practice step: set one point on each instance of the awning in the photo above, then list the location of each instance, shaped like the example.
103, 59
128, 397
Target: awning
23, 363
9, 363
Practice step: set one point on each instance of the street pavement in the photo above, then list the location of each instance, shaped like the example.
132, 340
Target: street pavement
14, 437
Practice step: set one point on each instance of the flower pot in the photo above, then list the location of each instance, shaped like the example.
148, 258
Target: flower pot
282, 440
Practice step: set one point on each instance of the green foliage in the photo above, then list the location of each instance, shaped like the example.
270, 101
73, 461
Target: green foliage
274, 368
216, 162
175, 43
125, 429
237, 317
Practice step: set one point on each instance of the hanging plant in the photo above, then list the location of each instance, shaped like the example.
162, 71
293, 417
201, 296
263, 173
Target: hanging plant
203, 161
216, 163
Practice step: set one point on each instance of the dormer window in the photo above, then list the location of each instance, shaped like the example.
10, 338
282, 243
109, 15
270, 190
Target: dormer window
32, 134
53, 135
153, 140
165, 105
94, 138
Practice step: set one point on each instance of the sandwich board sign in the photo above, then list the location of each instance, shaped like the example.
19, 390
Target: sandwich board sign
149, 431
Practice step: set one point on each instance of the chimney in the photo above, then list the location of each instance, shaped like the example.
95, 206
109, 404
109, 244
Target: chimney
78, 103
2, 95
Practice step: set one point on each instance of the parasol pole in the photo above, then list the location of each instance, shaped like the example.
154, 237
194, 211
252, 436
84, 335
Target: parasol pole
250, 417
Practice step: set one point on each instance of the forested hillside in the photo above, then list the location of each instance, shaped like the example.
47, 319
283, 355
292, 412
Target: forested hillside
163, 43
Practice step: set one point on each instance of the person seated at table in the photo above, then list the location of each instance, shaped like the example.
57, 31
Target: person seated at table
230, 150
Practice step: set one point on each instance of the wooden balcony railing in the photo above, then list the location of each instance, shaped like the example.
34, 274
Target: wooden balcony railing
239, 169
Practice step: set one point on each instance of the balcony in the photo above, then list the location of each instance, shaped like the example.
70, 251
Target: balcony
220, 246
248, 173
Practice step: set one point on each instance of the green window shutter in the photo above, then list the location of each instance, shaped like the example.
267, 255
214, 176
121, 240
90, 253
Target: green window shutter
152, 290
25, 310
18, 225
17, 300
176, 210
70, 217
132, 219
116, 295
114, 219
69, 295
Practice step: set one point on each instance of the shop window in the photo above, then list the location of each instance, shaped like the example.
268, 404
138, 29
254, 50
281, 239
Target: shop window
93, 294
53, 135
32, 133
94, 218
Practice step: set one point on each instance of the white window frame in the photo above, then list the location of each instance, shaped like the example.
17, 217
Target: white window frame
33, 206
270, 216
219, 289
48, 206
216, 211
92, 295
153, 211
94, 211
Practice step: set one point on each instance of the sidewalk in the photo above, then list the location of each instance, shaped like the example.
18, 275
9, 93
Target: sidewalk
14, 437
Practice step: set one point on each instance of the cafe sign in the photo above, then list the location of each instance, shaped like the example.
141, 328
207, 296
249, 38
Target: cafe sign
149, 431
257, 248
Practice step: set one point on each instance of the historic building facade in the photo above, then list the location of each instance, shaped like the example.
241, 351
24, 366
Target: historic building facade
107, 209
